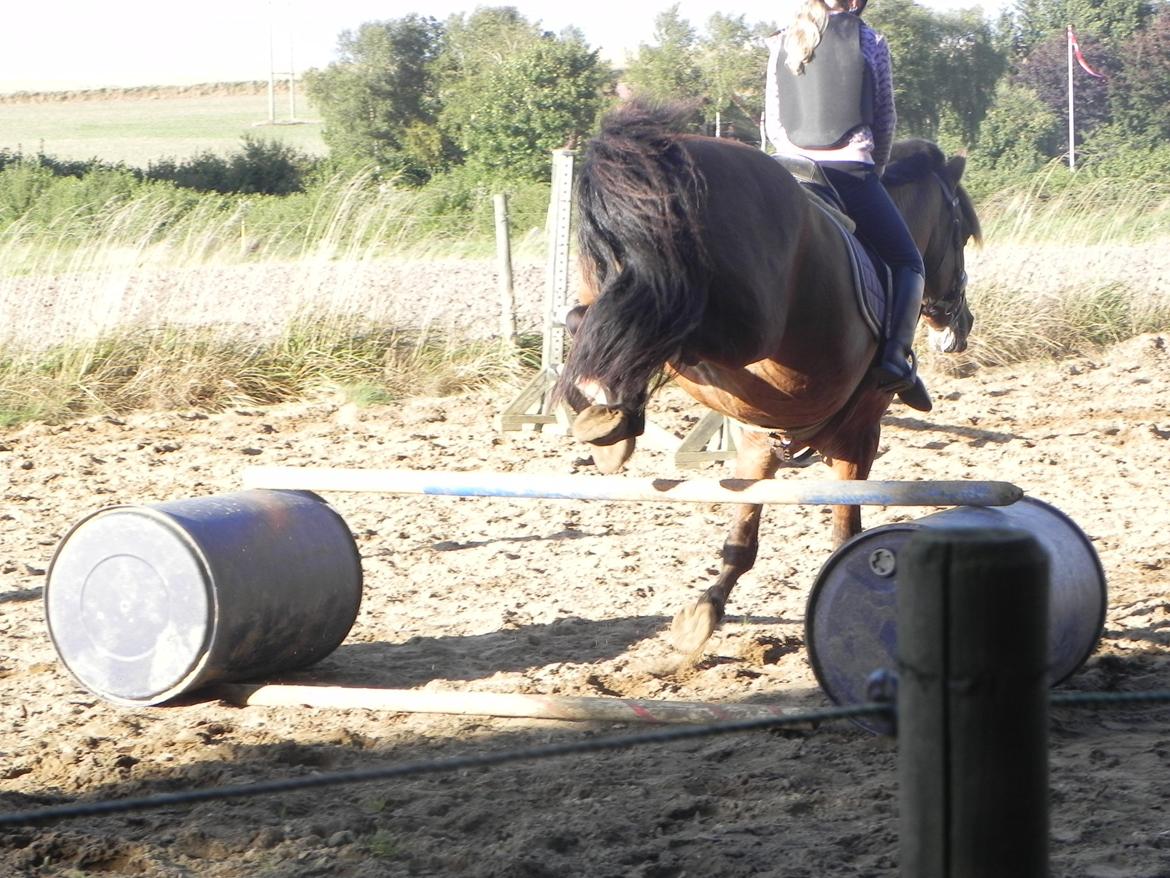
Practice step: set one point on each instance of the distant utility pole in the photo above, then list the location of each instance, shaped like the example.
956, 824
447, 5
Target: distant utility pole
273, 73
292, 81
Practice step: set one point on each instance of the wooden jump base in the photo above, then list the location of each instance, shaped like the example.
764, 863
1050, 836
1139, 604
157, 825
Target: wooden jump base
640, 490
517, 705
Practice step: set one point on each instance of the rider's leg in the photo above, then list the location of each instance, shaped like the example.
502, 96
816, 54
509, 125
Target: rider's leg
895, 364
881, 225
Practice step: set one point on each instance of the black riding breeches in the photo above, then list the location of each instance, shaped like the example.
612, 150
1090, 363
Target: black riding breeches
879, 223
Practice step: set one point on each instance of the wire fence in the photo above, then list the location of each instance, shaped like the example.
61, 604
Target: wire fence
416, 768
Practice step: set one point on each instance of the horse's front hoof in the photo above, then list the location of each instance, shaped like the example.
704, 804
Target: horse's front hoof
574, 317
693, 626
609, 459
601, 425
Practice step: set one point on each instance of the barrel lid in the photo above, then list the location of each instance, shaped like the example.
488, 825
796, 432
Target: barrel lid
850, 620
852, 608
129, 605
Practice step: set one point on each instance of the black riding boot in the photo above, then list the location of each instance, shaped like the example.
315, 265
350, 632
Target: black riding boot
896, 369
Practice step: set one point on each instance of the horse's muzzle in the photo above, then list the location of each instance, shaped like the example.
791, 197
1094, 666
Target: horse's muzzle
946, 341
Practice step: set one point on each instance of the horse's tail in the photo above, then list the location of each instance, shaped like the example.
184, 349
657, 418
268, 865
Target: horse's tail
639, 198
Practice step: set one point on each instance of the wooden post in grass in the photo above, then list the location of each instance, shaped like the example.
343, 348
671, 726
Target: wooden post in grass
973, 704
504, 270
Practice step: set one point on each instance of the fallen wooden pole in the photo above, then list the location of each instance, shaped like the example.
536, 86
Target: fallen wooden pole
562, 707
640, 490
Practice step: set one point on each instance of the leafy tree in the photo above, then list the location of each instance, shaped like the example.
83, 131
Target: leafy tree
914, 36
971, 65
945, 67
543, 98
1140, 93
512, 93
731, 62
473, 48
379, 94
1111, 21
1020, 131
1045, 72
668, 68
485, 37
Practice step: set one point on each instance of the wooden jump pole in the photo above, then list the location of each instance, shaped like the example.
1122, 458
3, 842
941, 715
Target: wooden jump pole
561, 707
973, 704
639, 490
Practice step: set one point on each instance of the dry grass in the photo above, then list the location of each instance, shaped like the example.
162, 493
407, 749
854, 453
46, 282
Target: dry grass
1060, 274
1068, 272
1013, 327
172, 367
152, 310
1102, 211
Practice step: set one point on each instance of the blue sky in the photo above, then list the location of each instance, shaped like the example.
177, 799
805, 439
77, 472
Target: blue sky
81, 44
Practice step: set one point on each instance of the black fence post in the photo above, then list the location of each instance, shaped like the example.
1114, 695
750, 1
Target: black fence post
973, 704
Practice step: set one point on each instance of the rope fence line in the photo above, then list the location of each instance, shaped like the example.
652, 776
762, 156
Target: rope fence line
548, 751
436, 766
1102, 699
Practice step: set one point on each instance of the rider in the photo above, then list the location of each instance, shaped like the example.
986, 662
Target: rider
830, 98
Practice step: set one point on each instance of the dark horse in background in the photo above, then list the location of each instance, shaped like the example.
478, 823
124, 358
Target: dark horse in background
704, 261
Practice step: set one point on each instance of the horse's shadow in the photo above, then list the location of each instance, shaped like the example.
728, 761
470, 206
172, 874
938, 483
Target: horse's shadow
977, 438
460, 545
419, 660
22, 594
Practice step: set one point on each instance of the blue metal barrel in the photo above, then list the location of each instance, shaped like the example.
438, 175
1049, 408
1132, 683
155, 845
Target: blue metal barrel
144, 603
849, 621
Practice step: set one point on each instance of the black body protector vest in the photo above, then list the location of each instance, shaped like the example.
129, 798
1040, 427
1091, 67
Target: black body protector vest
820, 107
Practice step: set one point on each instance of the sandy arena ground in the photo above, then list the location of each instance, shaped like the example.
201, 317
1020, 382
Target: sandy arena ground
572, 599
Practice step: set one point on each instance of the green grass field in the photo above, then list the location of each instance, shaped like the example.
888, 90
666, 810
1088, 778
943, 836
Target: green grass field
137, 128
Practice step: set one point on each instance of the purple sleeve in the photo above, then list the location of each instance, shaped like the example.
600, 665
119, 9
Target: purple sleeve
877, 54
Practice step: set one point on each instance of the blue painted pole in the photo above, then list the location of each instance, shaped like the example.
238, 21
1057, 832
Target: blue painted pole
537, 486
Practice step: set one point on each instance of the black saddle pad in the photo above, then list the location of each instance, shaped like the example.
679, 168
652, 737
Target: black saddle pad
871, 277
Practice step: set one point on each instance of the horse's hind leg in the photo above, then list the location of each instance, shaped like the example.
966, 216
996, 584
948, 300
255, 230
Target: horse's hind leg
847, 519
693, 625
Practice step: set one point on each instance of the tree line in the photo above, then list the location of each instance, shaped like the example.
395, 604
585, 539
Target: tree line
490, 93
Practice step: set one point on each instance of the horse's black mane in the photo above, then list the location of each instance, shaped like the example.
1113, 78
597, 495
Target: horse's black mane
911, 160
638, 115
915, 159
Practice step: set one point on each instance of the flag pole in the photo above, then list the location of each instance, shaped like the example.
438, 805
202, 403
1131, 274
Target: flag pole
1072, 142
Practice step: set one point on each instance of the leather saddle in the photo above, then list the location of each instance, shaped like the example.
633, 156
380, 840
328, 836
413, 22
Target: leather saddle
871, 276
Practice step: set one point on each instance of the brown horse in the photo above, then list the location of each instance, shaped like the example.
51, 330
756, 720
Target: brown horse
704, 261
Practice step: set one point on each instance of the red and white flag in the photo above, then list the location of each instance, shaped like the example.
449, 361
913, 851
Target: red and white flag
1076, 48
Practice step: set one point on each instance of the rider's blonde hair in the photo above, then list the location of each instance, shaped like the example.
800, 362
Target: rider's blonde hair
803, 35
